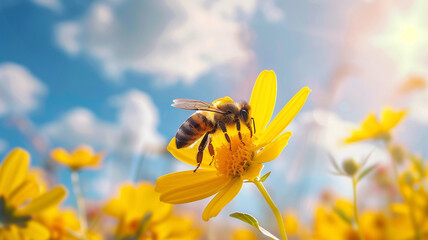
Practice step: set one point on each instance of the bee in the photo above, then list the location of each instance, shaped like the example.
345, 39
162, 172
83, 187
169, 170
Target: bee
208, 118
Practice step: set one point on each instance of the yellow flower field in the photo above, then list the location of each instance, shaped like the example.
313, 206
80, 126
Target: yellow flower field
214, 120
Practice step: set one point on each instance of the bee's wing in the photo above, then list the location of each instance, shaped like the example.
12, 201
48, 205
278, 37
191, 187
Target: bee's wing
190, 104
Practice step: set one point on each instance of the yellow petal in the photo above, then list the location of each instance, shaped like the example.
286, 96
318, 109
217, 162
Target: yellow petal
125, 207
172, 180
370, 128
284, 117
83, 154
10, 233
371, 124
35, 230
60, 155
14, 170
91, 235
96, 160
399, 208
272, 150
244, 234
27, 190
346, 207
159, 209
263, 99
188, 155
45, 201
70, 220
291, 224
391, 118
133, 196
127, 192
222, 199
252, 172
114, 208
128, 198
187, 186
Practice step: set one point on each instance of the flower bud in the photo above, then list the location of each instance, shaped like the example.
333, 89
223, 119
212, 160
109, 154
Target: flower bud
386, 137
398, 153
350, 166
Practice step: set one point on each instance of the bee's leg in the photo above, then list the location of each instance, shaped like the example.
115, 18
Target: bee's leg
250, 129
254, 127
238, 127
201, 149
223, 128
211, 150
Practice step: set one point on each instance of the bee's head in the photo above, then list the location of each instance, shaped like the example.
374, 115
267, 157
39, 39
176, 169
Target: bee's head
245, 116
244, 113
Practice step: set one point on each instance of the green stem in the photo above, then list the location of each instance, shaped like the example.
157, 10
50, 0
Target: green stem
395, 168
275, 210
357, 219
80, 202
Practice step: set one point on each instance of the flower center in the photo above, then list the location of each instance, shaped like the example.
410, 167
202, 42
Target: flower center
9, 217
234, 162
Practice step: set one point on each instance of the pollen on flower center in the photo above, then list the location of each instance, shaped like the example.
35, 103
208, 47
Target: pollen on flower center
236, 161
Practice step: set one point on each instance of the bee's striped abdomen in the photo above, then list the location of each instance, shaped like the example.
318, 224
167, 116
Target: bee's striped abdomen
192, 129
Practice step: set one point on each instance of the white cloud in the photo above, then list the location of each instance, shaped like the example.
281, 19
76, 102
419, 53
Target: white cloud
20, 91
81, 126
54, 5
175, 39
138, 118
328, 131
67, 37
271, 11
134, 131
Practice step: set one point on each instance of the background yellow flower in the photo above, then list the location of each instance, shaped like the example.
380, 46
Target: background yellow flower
372, 128
82, 156
20, 199
140, 214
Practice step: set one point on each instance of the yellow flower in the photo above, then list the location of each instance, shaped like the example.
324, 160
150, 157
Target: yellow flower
91, 235
59, 223
413, 83
328, 225
20, 199
137, 202
244, 161
295, 228
374, 225
82, 156
173, 227
244, 234
372, 128
401, 221
291, 223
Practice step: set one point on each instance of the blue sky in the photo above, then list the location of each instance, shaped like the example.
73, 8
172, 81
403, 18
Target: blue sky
102, 61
